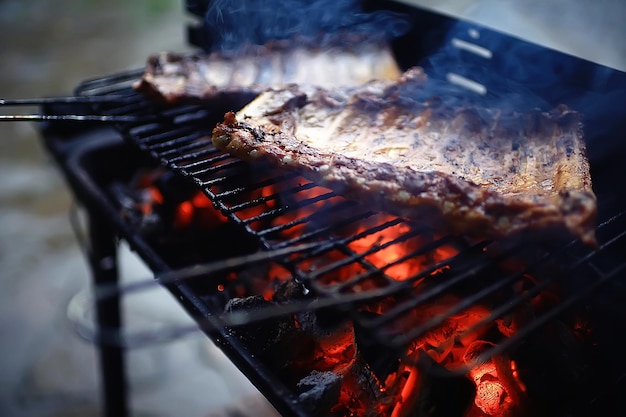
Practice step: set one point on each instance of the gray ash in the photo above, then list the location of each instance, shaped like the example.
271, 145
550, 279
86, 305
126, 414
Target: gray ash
319, 391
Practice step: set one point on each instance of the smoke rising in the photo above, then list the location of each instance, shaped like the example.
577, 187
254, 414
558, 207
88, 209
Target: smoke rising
233, 23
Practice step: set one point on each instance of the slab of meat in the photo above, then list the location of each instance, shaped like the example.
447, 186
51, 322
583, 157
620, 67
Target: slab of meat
478, 172
349, 60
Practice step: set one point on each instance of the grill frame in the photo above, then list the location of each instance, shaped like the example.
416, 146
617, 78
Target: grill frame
181, 118
80, 167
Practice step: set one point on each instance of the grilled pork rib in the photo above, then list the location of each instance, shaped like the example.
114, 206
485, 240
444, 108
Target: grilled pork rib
350, 60
473, 171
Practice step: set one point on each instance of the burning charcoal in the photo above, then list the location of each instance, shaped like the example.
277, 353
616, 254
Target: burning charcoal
289, 290
175, 189
246, 303
334, 353
362, 394
491, 398
319, 391
498, 391
435, 392
277, 342
311, 323
137, 208
264, 335
382, 360
332, 346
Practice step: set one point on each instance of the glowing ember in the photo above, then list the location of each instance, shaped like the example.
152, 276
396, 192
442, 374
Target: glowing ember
393, 250
407, 392
379, 252
197, 212
491, 397
498, 388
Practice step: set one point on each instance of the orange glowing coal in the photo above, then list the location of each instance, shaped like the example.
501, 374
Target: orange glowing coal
453, 343
380, 241
300, 206
198, 212
397, 252
499, 391
392, 253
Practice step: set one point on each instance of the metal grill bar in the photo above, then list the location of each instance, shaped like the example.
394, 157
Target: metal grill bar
63, 100
326, 230
71, 118
72, 100
281, 211
180, 141
509, 305
196, 158
394, 285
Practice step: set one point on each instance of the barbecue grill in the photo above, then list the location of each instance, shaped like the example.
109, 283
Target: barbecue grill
286, 263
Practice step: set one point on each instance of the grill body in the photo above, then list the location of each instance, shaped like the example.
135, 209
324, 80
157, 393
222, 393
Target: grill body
594, 279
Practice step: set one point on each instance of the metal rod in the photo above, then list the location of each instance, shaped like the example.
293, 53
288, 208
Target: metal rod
114, 290
62, 100
71, 117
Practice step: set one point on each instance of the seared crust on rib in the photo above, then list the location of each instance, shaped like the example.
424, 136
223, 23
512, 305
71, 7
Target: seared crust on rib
347, 60
471, 171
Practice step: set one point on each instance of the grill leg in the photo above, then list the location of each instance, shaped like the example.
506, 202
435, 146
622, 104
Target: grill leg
103, 259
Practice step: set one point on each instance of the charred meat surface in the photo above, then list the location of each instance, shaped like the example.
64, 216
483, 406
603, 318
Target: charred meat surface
473, 171
348, 60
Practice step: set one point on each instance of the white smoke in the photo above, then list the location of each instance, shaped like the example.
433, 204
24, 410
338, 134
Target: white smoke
233, 23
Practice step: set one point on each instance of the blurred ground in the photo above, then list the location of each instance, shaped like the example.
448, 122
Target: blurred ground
49, 46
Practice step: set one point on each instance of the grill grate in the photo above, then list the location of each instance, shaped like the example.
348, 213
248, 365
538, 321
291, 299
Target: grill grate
282, 210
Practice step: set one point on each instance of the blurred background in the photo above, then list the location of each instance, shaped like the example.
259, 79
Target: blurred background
47, 48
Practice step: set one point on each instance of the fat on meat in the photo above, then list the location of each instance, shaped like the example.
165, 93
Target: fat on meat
341, 60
